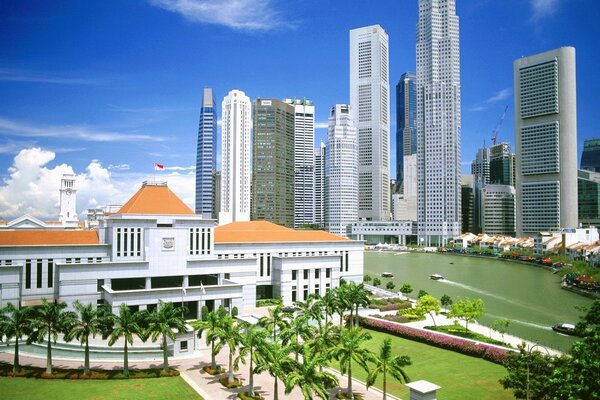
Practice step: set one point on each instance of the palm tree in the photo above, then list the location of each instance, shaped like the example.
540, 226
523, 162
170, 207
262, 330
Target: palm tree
357, 296
252, 339
325, 340
90, 322
49, 320
350, 348
276, 321
274, 358
341, 303
311, 308
15, 323
308, 376
210, 325
125, 325
162, 322
228, 334
328, 304
296, 332
386, 363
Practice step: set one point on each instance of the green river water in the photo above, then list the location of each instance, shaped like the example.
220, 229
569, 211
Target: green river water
529, 296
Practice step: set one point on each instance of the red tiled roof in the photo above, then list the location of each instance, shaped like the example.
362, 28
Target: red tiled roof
26, 237
268, 232
155, 199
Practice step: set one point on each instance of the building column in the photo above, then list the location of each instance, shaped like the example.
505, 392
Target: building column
143, 307
186, 281
148, 283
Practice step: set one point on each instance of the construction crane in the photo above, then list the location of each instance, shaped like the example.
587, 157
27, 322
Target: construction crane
495, 131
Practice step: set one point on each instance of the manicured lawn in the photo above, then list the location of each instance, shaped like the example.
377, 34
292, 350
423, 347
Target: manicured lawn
461, 377
121, 389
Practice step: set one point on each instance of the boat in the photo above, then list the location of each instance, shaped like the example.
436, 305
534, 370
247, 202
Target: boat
567, 329
436, 277
387, 275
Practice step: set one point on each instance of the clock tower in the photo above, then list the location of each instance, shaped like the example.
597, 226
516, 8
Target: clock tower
68, 210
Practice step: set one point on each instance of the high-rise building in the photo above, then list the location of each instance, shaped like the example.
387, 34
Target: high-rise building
546, 141
406, 123
273, 162
341, 172
590, 157
206, 156
404, 205
466, 203
438, 122
320, 153
480, 169
235, 158
588, 187
498, 209
304, 161
502, 166
369, 97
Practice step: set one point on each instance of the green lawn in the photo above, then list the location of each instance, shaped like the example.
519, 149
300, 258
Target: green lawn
461, 377
119, 389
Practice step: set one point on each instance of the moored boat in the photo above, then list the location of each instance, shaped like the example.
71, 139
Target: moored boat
387, 275
567, 329
436, 277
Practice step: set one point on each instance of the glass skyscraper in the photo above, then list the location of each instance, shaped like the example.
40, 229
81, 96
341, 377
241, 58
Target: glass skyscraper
590, 158
406, 123
206, 156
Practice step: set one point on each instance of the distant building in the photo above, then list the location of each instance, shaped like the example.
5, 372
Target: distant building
588, 188
590, 157
502, 165
546, 141
480, 169
236, 153
404, 205
406, 124
384, 232
206, 156
273, 162
466, 202
498, 209
320, 156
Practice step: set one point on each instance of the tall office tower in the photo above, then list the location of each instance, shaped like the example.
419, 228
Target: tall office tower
502, 167
206, 156
438, 122
480, 169
590, 158
406, 123
320, 185
217, 190
466, 203
588, 188
273, 162
498, 209
369, 97
546, 141
235, 158
304, 161
341, 171
405, 207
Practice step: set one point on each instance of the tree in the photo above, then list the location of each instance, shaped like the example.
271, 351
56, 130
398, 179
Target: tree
309, 377
228, 333
421, 293
467, 310
162, 322
90, 322
328, 303
386, 363
49, 320
210, 326
252, 340
357, 296
15, 323
296, 332
367, 278
501, 326
274, 358
406, 289
446, 301
350, 348
376, 282
310, 309
390, 285
276, 321
126, 325
428, 305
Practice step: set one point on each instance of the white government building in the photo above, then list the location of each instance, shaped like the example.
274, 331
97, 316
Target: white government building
155, 248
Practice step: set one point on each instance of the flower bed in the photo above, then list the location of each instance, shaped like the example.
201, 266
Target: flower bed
467, 347
95, 374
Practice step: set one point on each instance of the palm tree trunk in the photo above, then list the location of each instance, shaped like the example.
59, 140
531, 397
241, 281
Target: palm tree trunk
230, 376
350, 395
86, 362
125, 360
433, 319
276, 390
384, 385
213, 359
49, 355
165, 354
251, 381
16, 366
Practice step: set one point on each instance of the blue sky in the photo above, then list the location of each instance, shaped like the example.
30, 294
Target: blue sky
104, 89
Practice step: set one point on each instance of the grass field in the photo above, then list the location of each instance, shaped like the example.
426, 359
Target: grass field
119, 389
461, 377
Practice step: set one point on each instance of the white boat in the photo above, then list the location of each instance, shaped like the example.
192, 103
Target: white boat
387, 275
436, 277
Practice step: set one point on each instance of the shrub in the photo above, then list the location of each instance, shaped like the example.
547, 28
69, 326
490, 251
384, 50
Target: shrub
60, 373
236, 382
268, 302
204, 313
245, 396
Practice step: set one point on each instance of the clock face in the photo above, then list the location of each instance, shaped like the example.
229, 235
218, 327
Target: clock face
68, 192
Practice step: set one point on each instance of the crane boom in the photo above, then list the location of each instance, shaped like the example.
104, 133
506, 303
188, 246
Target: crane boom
497, 129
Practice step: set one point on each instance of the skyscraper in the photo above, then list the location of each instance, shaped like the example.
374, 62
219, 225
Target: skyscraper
438, 122
206, 156
369, 97
502, 166
235, 158
304, 161
590, 157
320, 185
341, 172
546, 141
480, 169
498, 210
406, 123
273, 162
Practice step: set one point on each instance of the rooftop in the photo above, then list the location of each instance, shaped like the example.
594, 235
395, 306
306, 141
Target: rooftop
25, 237
268, 232
156, 199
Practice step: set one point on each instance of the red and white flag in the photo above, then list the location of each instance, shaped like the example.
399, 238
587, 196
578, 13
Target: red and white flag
158, 167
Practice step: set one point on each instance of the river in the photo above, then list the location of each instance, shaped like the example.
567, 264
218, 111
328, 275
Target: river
529, 296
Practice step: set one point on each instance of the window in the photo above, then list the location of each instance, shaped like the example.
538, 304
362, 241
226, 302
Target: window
27, 274
184, 345
328, 273
294, 275
38, 279
305, 274
50, 273
317, 273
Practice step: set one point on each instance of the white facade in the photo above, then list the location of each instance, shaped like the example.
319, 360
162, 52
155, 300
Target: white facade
546, 141
68, 200
404, 206
341, 173
369, 98
438, 122
498, 203
236, 153
304, 161
377, 231
320, 185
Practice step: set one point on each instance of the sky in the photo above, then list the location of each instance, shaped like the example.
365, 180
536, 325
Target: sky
104, 89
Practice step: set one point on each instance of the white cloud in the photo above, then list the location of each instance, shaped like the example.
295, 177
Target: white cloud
16, 75
33, 188
119, 167
477, 108
500, 95
176, 168
321, 125
11, 127
251, 15
543, 8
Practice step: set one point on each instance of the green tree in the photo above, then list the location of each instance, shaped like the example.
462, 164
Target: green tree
406, 289
357, 296
90, 322
125, 325
350, 349
274, 358
386, 363
49, 320
228, 333
376, 282
276, 321
367, 278
390, 285
428, 304
311, 309
253, 338
467, 310
210, 326
501, 326
15, 323
309, 377
446, 301
162, 322
328, 303
298, 331
421, 293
